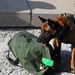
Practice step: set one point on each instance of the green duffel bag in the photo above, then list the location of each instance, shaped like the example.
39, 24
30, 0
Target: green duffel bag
29, 53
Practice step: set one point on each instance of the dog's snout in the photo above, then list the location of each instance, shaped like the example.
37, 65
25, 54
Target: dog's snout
38, 40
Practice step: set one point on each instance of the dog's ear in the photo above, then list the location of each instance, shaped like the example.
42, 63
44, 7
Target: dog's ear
42, 19
54, 25
51, 23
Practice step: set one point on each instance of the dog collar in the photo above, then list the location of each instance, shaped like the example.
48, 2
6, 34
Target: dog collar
72, 19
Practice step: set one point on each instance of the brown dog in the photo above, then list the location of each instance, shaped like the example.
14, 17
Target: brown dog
62, 29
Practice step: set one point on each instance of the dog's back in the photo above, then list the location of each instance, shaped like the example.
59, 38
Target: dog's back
62, 29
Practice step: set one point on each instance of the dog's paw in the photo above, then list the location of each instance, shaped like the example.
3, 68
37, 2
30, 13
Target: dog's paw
73, 71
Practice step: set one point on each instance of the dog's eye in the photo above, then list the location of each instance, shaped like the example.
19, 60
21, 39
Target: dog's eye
53, 26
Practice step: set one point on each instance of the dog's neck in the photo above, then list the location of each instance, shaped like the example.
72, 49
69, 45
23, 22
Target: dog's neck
67, 29
72, 19
61, 34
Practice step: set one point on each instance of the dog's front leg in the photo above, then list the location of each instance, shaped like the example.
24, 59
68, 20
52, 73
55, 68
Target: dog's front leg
57, 47
73, 60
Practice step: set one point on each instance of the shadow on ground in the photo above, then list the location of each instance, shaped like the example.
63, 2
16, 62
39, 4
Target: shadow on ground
65, 62
64, 65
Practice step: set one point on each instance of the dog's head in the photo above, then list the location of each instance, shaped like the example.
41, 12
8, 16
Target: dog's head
49, 29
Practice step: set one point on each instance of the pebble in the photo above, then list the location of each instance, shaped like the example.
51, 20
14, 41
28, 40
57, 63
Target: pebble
7, 69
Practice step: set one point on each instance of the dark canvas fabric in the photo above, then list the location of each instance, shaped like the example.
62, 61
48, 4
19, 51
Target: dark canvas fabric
29, 52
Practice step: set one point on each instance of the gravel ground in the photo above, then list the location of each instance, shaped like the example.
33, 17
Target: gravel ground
7, 69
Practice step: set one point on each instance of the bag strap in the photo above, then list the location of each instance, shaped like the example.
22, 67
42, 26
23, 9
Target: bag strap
14, 62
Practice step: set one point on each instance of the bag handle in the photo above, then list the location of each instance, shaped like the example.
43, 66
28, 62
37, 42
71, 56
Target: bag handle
14, 62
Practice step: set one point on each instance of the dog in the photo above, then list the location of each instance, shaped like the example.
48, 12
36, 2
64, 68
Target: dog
61, 29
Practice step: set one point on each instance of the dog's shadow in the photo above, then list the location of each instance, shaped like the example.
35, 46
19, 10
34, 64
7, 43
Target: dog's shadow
65, 59
65, 62
64, 66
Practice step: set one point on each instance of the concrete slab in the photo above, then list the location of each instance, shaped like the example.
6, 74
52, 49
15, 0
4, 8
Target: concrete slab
14, 13
19, 13
49, 9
